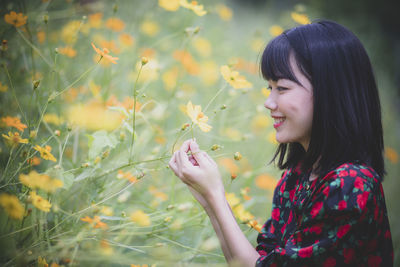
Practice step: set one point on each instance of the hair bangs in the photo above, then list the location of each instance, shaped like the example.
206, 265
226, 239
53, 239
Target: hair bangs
275, 61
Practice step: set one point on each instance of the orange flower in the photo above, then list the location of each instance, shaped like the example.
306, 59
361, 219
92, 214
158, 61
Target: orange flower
126, 175
126, 39
95, 222
186, 59
104, 53
67, 51
13, 122
95, 20
115, 24
15, 19
392, 155
266, 181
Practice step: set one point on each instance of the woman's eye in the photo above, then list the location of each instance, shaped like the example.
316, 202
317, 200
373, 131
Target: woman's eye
281, 88
269, 88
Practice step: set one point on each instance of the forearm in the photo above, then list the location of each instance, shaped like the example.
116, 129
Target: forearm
236, 242
220, 236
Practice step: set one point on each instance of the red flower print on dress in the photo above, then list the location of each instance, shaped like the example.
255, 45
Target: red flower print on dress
362, 200
359, 183
353, 173
343, 173
262, 253
343, 230
348, 254
330, 262
316, 208
374, 261
342, 205
317, 229
306, 252
367, 172
275, 214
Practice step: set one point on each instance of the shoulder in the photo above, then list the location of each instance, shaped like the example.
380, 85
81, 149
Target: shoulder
351, 176
349, 187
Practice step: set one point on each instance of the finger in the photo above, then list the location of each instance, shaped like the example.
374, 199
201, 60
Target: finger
185, 145
172, 164
198, 154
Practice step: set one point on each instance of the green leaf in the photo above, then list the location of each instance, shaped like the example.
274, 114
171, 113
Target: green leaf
100, 140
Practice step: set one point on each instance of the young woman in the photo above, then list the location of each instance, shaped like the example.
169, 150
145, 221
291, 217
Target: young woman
328, 207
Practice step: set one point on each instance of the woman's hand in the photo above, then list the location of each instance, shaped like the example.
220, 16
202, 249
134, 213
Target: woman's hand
198, 170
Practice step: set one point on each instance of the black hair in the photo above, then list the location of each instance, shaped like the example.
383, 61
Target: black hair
346, 124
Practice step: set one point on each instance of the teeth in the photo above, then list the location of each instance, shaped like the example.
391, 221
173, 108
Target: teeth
279, 120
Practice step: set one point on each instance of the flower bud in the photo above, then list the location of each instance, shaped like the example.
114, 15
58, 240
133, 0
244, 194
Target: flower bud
45, 18
36, 84
237, 156
144, 60
57, 132
233, 176
215, 147
185, 126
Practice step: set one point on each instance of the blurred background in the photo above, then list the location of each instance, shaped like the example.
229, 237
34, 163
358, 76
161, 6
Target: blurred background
94, 99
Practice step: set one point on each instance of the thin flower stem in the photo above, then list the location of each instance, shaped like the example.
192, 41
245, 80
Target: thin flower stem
8, 164
215, 96
134, 113
34, 48
14, 94
52, 97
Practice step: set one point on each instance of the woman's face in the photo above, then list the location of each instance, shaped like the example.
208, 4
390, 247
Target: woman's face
291, 107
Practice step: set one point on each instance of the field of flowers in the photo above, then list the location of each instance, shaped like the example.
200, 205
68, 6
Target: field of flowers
96, 96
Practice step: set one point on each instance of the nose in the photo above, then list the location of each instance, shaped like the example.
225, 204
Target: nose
270, 103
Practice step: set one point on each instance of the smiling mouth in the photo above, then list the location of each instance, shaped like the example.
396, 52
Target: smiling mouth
278, 121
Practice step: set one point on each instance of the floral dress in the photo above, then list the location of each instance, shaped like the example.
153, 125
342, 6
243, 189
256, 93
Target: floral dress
337, 220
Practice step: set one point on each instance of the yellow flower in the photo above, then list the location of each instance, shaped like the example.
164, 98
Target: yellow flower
13, 139
53, 119
203, 46
39, 202
95, 222
209, 72
141, 218
170, 5
197, 116
105, 247
126, 175
275, 30
170, 78
224, 12
104, 53
45, 152
234, 79
197, 9
13, 122
300, 18
15, 19
36, 180
115, 24
69, 33
3, 87
12, 206
94, 116
150, 28
42, 262
67, 51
